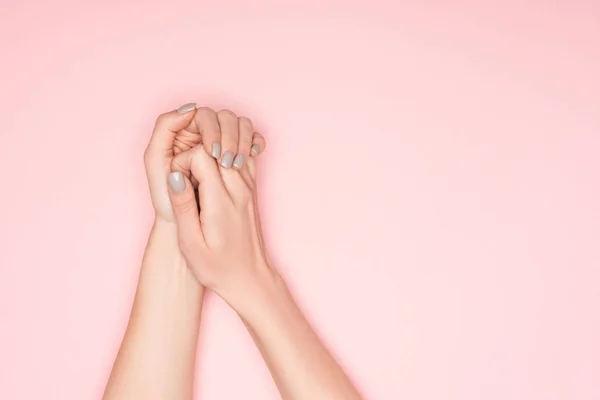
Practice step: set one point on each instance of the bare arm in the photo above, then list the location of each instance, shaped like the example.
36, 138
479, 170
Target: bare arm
157, 355
299, 362
227, 232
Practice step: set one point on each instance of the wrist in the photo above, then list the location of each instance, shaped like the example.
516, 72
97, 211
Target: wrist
165, 281
163, 223
162, 250
265, 292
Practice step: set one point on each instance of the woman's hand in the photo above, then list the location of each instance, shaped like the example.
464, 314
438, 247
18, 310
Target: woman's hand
178, 131
159, 155
157, 355
222, 244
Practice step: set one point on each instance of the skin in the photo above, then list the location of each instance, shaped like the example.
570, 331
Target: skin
220, 248
156, 357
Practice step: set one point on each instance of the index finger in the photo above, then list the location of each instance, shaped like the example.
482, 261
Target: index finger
208, 126
166, 127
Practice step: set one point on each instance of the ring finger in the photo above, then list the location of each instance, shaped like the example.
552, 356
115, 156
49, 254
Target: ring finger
229, 137
244, 143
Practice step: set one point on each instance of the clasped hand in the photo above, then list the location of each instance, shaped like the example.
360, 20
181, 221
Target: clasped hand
214, 153
212, 240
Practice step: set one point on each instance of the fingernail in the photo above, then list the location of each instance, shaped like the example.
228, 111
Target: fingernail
186, 108
227, 159
238, 161
176, 182
216, 150
255, 149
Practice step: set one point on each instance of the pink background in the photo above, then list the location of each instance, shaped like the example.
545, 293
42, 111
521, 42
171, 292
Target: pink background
430, 186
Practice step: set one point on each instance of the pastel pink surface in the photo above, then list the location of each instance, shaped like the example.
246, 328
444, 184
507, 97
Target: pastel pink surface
430, 186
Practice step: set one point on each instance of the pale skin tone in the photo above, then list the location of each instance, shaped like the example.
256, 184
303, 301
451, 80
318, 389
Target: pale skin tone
221, 249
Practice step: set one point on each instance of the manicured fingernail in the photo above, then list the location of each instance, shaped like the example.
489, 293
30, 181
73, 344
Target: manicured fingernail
238, 161
176, 182
227, 159
216, 150
255, 149
186, 108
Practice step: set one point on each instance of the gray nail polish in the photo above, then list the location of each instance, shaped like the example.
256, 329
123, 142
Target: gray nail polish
227, 159
216, 150
238, 161
176, 182
186, 108
255, 149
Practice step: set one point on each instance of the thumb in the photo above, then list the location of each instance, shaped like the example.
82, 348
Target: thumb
185, 208
198, 164
166, 128
160, 148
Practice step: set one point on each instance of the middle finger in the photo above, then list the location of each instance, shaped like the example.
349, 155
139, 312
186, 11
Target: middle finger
229, 136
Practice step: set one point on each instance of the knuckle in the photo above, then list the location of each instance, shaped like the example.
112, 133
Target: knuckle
245, 122
176, 165
194, 160
259, 138
185, 206
222, 114
160, 120
205, 111
245, 143
149, 157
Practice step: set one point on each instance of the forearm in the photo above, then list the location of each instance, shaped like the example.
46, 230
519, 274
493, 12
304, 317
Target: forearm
157, 356
302, 367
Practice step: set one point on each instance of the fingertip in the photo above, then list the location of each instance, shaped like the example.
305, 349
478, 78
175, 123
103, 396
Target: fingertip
214, 149
177, 182
238, 161
183, 200
258, 144
169, 123
228, 124
186, 108
208, 126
